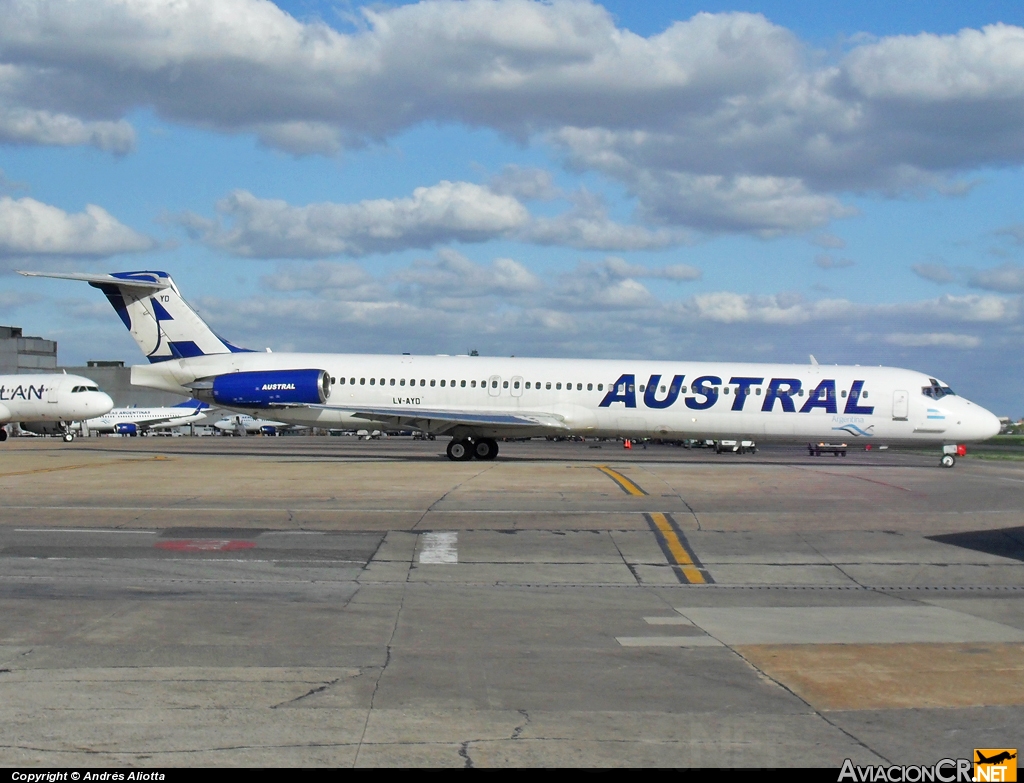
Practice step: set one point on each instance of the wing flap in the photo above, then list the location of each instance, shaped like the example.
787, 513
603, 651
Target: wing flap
421, 418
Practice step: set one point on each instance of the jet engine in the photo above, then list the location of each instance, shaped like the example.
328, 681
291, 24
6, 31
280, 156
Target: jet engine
266, 388
126, 428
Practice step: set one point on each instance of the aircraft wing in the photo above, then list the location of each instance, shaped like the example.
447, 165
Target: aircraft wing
442, 420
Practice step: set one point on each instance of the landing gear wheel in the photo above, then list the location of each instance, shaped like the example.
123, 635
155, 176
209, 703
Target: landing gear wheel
68, 437
3, 434
460, 450
948, 461
485, 449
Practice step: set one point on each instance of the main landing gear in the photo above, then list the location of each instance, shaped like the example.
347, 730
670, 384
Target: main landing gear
470, 448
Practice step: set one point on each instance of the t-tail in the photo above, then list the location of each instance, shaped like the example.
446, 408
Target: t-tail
150, 305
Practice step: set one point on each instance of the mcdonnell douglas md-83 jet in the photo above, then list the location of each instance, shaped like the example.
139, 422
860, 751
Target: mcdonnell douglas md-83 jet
476, 400
47, 404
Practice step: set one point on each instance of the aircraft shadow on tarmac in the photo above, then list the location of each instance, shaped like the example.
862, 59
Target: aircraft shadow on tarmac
1008, 542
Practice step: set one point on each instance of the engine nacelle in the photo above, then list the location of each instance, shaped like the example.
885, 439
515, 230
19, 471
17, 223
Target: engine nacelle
126, 428
42, 427
271, 387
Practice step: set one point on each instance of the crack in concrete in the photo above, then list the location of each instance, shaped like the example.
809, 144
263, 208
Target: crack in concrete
631, 569
380, 676
764, 675
674, 494
464, 754
431, 507
310, 692
831, 562
518, 731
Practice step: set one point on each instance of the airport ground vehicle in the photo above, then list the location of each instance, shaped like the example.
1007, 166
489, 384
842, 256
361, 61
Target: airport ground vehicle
836, 449
736, 446
477, 400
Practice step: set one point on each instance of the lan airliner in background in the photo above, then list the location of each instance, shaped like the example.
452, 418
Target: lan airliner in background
477, 400
47, 404
133, 421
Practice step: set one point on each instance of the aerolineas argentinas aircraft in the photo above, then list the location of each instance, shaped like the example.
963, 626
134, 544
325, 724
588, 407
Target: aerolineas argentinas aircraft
476, 400
47, 404
132, 421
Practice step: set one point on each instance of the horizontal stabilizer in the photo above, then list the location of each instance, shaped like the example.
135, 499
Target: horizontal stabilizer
137, 279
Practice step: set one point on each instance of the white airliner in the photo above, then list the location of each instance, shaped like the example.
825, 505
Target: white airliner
241, 424
132, 421
476, 400
47, 404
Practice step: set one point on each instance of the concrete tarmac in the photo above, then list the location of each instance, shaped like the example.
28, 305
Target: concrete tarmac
302, 601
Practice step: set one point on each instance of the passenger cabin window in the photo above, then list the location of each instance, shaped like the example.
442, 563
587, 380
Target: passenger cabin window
402, 382
463, 384
600, 387
547, 385
514, 385
527, 384
362, 381
442, 383
392, 381
341, 381
472, 384
504, 384
373, 381
494, 384
590, 387
558, 386
432, 382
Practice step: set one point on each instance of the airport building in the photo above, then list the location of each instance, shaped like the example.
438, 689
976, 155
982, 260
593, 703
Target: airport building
20, 355
116, 380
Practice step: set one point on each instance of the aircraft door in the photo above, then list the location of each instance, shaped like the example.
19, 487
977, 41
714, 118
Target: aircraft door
494, 385
517, 386
900, 406
51, 392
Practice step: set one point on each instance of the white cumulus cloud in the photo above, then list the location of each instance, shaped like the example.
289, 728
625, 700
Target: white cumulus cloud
719, 123
31, 228
933, 340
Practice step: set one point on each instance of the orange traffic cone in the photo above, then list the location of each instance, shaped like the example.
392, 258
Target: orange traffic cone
626, 444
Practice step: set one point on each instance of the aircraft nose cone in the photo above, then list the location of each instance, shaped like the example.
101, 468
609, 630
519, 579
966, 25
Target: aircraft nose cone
990, 426
103, 403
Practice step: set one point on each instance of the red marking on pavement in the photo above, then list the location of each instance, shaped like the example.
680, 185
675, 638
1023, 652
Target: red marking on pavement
205, 545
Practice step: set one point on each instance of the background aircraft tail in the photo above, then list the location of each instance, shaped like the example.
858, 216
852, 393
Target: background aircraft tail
150, 305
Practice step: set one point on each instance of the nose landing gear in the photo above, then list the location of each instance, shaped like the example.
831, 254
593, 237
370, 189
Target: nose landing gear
950, 453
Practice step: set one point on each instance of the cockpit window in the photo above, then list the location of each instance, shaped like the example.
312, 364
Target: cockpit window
85, 389
937, 390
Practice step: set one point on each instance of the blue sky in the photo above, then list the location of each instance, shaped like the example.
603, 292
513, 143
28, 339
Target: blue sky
749, 181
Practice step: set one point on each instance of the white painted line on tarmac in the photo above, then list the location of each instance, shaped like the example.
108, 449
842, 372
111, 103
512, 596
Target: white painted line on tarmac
667, 621
440, 548
668, 641
737, 625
